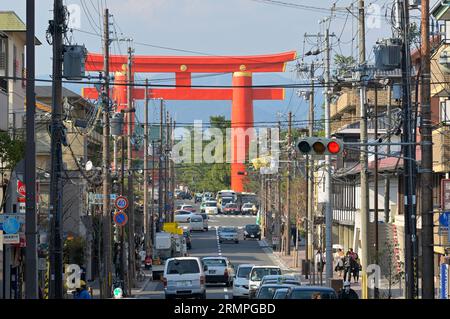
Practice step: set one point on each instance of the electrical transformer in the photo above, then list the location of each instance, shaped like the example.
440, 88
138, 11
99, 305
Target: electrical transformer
388, 54
117, 124
74, 62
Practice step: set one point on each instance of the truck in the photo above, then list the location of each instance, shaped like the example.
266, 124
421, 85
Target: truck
167, 245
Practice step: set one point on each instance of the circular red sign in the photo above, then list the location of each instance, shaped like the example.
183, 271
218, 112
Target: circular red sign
334, 147
121, 202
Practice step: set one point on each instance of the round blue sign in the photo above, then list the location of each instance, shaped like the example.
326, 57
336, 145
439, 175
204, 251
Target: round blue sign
11, 225
120, 218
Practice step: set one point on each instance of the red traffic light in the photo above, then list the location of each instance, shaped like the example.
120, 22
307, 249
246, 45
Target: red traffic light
334, 147
243, 173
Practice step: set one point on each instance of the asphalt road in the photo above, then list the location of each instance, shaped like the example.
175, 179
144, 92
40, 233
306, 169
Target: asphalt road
206, 244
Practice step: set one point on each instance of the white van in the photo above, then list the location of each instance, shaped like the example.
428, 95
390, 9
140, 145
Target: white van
196, 223
184, 277
257, 274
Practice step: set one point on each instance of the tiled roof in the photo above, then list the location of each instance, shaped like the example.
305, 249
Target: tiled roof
9, 21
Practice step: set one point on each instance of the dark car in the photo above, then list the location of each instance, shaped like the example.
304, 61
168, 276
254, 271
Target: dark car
198, 197
252, 231
311, 292
187, 236
268, 291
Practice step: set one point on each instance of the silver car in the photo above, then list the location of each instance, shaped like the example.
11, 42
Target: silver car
228, 234
184, 277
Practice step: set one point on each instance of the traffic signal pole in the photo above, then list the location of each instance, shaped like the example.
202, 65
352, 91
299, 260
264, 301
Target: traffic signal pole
328, 207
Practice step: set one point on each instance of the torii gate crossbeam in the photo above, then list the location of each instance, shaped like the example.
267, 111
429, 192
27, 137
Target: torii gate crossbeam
241, 94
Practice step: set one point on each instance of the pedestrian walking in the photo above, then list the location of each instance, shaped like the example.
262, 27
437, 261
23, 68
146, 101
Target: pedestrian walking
339, 262
356, 269
348, 266
82, 292
320, 262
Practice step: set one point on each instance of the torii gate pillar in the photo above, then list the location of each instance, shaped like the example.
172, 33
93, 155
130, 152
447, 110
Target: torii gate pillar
241, 118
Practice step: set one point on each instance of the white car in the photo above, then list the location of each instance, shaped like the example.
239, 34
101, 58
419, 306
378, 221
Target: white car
210, 207
241, 281
183, 216
247, 209
257, 274
220, 270
196, 223
184, 277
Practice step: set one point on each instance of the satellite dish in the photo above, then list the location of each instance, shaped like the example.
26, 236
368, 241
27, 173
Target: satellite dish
89, 165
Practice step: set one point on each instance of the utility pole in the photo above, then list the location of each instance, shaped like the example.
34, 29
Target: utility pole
160, 163
328, 208
123, 259
56, 185
146, 215
153, 223
31, 257
107, 250
166, 171
131, 248
376, 291
364, 195
387, 181
287, 233
411, 246
427, 160
278, 210
310, 164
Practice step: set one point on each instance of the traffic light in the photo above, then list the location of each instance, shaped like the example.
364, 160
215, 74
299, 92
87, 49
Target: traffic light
320, 146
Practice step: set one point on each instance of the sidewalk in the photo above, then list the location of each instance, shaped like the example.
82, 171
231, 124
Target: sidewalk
140, 285
287, 264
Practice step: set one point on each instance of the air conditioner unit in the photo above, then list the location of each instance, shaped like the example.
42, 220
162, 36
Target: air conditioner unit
388, 54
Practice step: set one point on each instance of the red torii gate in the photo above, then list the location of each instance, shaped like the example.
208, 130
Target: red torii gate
242, 94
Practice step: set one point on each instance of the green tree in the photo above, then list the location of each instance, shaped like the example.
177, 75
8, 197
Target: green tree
11, 151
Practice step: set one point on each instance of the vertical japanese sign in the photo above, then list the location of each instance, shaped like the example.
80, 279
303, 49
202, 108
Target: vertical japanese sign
445, 195
444, 281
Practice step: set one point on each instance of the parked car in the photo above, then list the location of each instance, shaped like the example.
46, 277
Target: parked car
267, 291
188, 208
228, 234
231, 209
220, 270
281, 280
247, 209
252, 231
184, 277
187, 236
311, 292
209, 207
198, 197
257, 274
240, 283
183, 216
196, 223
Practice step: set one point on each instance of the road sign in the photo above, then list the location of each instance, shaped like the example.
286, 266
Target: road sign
11, 225
19, 217
11, 239
22, 208
121, 203
97, 199
21, 188
444, 281
120, 218
445, 196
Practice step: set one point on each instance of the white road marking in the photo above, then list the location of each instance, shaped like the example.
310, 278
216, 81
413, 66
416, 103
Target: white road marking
219, 249
225, 290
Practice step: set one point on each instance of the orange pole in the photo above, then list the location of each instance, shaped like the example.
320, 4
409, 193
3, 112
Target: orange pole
241, 119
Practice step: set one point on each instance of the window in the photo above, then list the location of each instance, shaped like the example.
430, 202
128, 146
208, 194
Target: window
3, 61
215, 262
182, 267
311, 294
244, 272
444, 112
259, 273
15, 63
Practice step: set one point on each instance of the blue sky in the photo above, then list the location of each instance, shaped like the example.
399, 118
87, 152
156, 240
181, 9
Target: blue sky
218, 27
